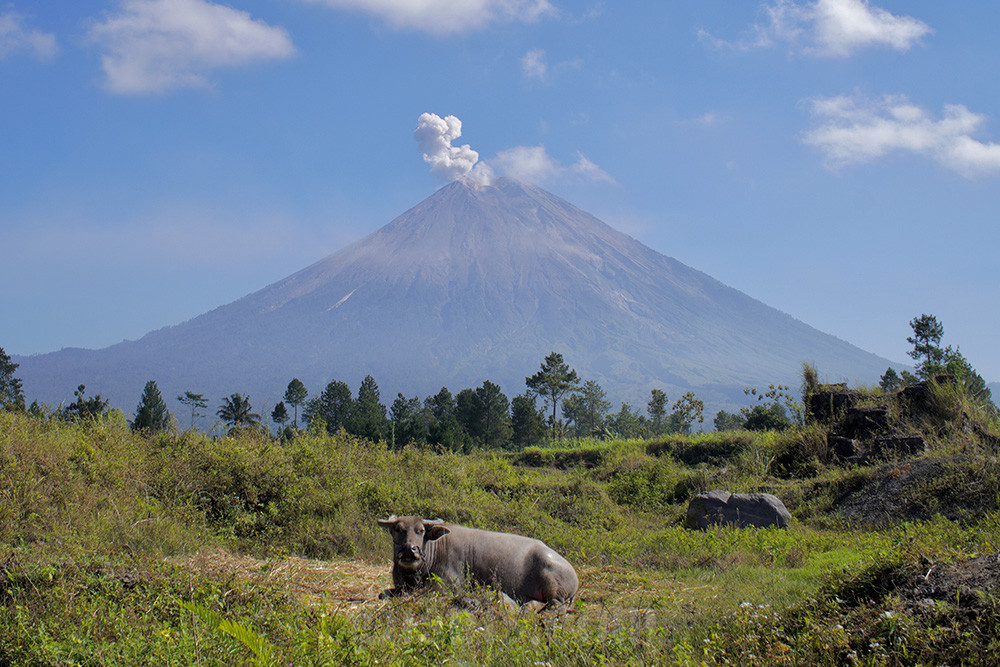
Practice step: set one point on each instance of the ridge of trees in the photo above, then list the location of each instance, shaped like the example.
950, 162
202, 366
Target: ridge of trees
485, 418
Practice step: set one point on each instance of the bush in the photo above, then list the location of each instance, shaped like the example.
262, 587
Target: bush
800, 454
715, 449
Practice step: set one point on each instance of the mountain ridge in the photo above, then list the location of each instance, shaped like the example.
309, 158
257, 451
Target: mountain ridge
473, 283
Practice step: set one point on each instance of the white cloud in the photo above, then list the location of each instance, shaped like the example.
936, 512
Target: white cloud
534, 164
843, 26
434, 135
828, 28
854, 130
533, 64
153, 46
14, 36
447, 16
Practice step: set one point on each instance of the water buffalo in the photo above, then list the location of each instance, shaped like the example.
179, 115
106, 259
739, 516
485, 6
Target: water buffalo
523, 569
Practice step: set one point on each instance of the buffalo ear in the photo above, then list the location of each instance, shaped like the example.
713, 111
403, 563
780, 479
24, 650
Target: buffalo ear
388, 523
434, 530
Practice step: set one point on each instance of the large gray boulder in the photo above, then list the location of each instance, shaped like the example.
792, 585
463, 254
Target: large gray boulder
736, 509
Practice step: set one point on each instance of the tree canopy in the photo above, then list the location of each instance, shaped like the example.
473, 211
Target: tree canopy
554, 379
11, 394
926, 341
334, 407
295, 395
194, 401
151, 415
84, 408
237, 412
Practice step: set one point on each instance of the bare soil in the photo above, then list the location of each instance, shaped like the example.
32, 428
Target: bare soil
344, 583
971, 583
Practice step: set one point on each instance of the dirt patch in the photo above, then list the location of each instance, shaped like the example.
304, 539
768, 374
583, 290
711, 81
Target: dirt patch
969, 584
347, 583
958, 488
882, 501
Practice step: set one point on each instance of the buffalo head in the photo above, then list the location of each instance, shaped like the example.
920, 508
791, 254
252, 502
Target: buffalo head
409, 536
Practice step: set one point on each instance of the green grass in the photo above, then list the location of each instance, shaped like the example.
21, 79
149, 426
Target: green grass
98, 528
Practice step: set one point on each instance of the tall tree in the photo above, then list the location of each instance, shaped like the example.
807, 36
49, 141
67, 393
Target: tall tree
495, 419
237, 412
445, 429
657, 408
83, 407
279, 415
295, 395
468, 412
11, 395
409, 421
334, 407
195, 401
935, 360
725, 421
484, 415
592, 406
369, 414
890, 380
627, 422
926, 342
554, 379
151, 415
572, 412
686, 411
527, 422
972, 383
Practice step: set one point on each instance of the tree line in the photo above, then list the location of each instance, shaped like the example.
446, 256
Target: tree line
484, 418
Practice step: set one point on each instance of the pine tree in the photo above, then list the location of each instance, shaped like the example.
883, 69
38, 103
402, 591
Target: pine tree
409, 421
151, 415
335, 407
495, 416
553, 379
890, 380
483, 413
279, 415
657, 408
527, 422
11, 395
926, 341
295, 395
369, 413
445, 429
195, 401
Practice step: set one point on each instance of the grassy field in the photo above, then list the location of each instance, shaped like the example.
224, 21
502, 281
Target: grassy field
119, 549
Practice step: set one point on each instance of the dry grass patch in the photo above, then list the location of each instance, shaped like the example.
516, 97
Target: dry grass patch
341, 584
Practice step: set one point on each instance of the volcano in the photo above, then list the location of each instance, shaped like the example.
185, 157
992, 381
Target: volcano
477, 282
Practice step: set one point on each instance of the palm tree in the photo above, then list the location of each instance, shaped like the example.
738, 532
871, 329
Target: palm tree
236, 412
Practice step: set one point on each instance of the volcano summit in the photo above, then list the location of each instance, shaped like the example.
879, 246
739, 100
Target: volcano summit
477, 282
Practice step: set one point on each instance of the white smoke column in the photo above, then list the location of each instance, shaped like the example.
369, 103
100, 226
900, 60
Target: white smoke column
434, 136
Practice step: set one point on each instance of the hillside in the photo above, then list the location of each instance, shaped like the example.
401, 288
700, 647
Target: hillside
474, 283
185, 549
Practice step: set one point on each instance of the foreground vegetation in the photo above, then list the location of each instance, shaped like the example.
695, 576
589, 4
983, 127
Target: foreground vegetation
177, 548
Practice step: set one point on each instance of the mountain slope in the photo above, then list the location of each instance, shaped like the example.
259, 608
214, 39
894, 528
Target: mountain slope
473, 283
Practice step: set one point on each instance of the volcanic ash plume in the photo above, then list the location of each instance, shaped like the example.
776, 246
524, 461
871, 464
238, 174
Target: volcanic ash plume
434, 136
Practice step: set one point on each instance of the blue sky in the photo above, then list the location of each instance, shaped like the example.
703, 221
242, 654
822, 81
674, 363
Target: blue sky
836, 159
